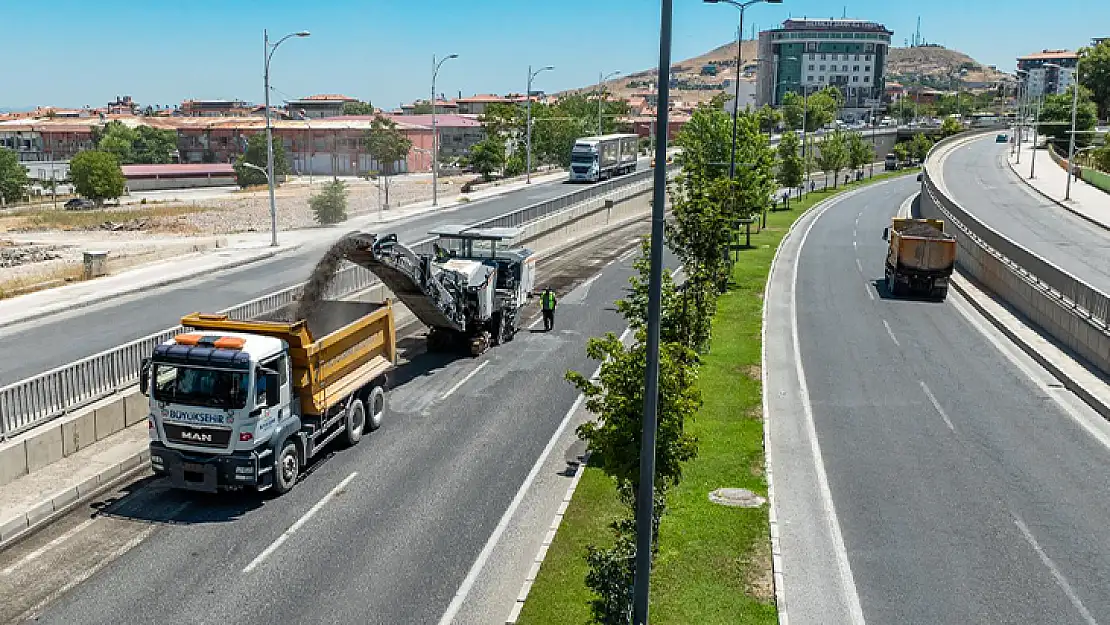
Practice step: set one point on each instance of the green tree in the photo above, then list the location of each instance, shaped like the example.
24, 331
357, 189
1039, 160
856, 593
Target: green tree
387, 146
358, 108
920, 146
97, 176
792, 110
705, 141
422, 108
1055, 116
142, 144
833, 154
901, 152
791, 167
488, 156
860, 151
13, 176
950, 127
330, 204
255, 154
1094, 73
769, 119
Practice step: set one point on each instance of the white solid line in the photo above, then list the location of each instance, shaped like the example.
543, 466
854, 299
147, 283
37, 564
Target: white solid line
859, 265
590, 281
466, 378
845, 568
300, 522
891, 333
1060, 579
936, 404
867, 287
487, 550
50, 545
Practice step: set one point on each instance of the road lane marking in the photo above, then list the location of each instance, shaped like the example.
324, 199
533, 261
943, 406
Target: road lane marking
867, 287
855, 610
300, 523
936, 404
890, 333
1061, 581
859, 265
466, 378
48, 546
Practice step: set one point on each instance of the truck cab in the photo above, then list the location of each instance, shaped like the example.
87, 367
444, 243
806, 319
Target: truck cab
585, 161
217, 403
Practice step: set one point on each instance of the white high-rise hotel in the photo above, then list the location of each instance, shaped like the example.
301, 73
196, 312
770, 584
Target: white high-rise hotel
812, 54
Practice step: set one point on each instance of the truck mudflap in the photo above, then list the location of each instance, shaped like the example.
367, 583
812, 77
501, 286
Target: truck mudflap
205, 473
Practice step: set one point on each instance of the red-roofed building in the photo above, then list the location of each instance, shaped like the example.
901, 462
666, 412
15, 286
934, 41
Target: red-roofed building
178, 176
443, 107
457, 133
477, 104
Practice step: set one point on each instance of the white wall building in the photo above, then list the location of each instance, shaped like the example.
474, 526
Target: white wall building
1049, 71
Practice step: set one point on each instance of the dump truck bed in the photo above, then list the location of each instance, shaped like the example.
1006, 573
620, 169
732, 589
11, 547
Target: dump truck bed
341, 347
921, 245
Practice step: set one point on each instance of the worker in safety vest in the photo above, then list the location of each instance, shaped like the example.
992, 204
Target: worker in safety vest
547, 304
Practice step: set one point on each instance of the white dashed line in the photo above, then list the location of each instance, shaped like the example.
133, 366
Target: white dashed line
859, 265
1060, 579
936, 404
48, 546
890, 333
458, 385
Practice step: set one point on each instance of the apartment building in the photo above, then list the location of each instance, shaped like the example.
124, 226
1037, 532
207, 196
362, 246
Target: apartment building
1048, 71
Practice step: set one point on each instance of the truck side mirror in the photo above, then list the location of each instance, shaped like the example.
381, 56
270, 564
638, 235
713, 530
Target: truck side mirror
886, 233
144, 377
273, 389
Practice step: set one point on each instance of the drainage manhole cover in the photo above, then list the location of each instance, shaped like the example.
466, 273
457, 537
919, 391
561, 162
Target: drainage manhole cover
736, 498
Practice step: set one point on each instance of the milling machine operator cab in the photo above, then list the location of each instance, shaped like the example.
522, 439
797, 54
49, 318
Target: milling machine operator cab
515, 267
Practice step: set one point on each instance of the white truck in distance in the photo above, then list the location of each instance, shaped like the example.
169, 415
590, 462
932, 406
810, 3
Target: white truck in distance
593, 159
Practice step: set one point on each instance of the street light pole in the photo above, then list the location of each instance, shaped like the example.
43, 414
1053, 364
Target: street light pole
528, 121
601, 79
435, 134
268, 53
1071, 141
645, 495
739, 64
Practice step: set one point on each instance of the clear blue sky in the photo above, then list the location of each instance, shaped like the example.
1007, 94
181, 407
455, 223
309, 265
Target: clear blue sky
77, 52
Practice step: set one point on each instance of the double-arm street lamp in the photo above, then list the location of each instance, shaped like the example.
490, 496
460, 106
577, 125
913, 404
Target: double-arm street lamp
600, 100
435, 135
739, 65
269, 50
528, 120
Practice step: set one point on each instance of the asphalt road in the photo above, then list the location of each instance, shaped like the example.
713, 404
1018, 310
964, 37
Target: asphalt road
966, 493
61, 339
979, 179
391, 546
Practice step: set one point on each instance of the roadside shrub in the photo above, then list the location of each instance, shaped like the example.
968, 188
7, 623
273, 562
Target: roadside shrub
330, 204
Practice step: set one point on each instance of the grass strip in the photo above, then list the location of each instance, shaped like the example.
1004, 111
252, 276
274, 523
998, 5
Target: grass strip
714, 562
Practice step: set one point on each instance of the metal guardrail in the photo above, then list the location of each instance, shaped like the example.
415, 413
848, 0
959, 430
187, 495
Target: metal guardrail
1084, 299
52, 394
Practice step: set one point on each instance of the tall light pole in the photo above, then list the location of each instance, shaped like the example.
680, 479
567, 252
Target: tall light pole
1071, 140
528, 120
435, 134
645, 494
1036, 122
268, 53
601, 79
1023, 96
739, 65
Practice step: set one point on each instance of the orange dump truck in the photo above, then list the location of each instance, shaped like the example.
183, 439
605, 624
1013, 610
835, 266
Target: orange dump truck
248, 403
920, 257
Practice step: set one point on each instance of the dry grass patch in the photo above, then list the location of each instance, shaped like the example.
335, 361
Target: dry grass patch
160, 218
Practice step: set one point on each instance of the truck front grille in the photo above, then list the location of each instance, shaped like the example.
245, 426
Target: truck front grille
199, 437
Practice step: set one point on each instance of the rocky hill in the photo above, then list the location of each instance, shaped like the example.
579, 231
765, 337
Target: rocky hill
935, 65
927, 65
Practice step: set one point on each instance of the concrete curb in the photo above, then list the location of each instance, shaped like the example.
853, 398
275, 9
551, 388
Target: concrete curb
64, 501
1060, 203
53, 310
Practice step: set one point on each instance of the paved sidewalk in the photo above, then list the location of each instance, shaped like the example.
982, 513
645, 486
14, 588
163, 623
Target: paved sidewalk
241, 250
1050, 181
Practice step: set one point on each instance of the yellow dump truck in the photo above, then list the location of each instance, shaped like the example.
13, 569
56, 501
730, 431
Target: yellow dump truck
920, 257
248, 403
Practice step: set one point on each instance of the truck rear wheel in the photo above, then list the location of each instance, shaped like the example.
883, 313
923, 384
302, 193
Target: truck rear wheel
375, 405
287, 466
355, 422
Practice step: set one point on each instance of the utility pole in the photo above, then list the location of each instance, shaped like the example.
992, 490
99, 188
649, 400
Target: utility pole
435, 133
601, 79
528, 120
1071, 141
268, 54
645, 495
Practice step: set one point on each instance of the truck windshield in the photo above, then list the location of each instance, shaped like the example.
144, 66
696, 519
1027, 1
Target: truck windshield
193, 386
582, 158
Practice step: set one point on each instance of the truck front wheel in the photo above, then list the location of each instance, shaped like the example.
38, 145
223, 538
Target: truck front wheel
356, 421
287, 466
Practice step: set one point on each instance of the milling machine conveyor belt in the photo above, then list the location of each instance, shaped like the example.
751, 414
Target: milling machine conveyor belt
410, 277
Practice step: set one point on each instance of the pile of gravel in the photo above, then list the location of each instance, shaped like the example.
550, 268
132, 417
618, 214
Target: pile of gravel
926, 231
323, 275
